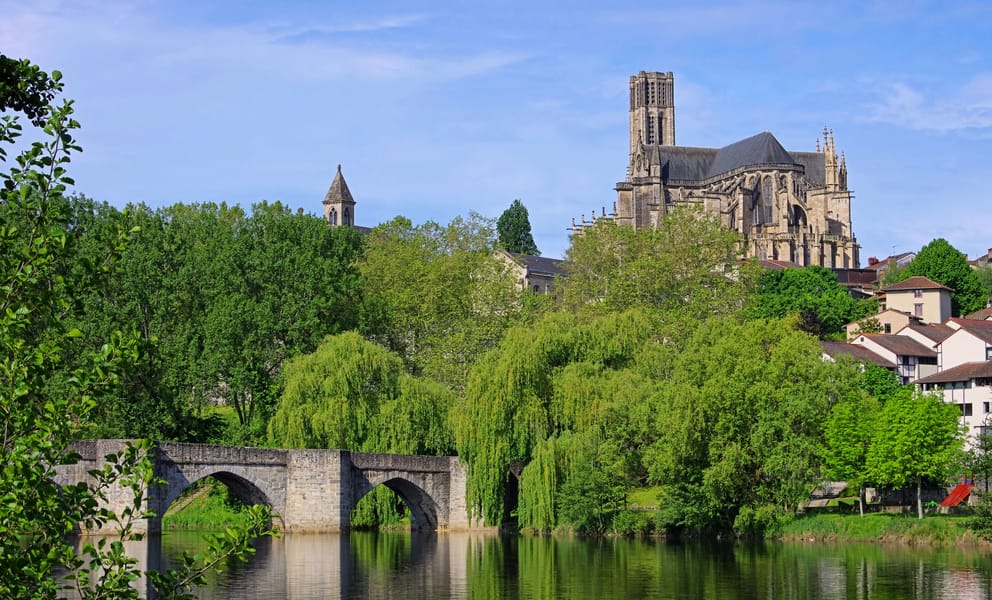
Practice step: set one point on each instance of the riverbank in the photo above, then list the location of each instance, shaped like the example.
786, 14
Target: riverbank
932, 530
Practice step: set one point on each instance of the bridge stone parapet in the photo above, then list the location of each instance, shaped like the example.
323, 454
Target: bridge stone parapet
309, 490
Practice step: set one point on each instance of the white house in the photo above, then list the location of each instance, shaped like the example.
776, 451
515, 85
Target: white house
913, 359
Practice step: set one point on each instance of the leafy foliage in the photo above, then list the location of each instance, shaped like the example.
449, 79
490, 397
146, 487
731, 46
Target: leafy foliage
437, 296
740, 424
355, 395
683, 267
513, 230
48, 392
917, 437
524, 399
25, 88
813, 293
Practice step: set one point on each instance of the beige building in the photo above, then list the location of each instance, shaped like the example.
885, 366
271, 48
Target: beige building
920, 297
535, 273
789, 206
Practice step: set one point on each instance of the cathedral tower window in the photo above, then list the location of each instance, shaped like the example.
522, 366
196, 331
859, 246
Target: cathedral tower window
346, 217
332, 217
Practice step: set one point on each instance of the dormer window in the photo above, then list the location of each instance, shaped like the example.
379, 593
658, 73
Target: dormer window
917, 293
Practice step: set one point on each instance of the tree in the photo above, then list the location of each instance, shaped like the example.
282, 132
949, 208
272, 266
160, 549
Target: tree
824, 306
544, 399
513, 230
943, 263
848, 436
686, 266
40, 419
25, 88
740, 424
984, 274
437, 296
353, 394
916, 437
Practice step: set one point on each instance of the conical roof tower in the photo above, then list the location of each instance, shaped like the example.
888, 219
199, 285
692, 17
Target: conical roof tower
339, 205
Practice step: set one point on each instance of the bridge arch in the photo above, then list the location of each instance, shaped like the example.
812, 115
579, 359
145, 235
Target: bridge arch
423, 508
243, 489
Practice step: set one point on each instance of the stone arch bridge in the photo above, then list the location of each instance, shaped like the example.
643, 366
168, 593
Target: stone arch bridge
310, 490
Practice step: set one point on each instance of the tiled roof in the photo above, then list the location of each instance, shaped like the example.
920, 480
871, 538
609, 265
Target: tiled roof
540, 265
980, 329
963, 372
915, 283
902, 345
859, 353
981, 315
935, 332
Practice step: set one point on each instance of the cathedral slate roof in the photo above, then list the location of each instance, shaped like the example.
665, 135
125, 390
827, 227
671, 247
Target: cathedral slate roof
687, 163
761, 149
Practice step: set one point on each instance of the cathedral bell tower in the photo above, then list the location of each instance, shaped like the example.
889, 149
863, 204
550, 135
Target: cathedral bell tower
652, 110
339, 205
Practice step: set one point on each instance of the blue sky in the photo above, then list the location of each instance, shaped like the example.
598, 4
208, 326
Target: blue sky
436, 109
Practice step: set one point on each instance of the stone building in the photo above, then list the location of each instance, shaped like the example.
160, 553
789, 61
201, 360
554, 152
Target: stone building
789, 206
339, 205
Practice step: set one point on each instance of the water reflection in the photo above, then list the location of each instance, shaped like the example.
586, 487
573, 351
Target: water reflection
487, 566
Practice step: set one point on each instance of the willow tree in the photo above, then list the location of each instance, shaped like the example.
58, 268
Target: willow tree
355, 395
526, 400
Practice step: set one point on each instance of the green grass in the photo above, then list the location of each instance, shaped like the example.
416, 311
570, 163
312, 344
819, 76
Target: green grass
644, 497
881, 527
208, 506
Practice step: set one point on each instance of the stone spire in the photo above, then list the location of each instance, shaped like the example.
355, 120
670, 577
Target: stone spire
830, 160
339, 205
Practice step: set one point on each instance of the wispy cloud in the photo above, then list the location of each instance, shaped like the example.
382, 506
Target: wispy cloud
924, 108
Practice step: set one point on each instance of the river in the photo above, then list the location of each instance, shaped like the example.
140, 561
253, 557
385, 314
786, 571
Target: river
486, 566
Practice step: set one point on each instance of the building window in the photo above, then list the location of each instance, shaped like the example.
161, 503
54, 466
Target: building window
346, 219
917, 293
988, 353
333, 217
918, 310
887, 328
965, 409
985, 406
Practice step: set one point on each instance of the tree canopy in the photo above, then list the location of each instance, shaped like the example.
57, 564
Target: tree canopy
811, 293
513, 230
686, 266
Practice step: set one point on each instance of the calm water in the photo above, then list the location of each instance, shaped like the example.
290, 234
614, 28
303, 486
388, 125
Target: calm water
404, 565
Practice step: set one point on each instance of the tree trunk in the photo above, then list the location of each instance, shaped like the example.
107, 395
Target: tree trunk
919, 496
861, 500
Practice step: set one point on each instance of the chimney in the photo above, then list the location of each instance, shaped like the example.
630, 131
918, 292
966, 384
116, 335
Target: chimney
872, 261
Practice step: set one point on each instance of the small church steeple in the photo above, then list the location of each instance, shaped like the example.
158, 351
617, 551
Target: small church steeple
339, 205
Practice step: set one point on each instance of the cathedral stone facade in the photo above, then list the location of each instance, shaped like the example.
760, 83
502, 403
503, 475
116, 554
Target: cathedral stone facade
787, 206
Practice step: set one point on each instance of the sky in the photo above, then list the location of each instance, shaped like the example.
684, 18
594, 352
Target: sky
436, 109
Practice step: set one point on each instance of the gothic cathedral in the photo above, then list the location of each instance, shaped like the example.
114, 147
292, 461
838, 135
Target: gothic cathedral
787, 206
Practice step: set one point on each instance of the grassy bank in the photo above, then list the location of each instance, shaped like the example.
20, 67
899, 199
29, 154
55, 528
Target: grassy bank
208, 505
883, 527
